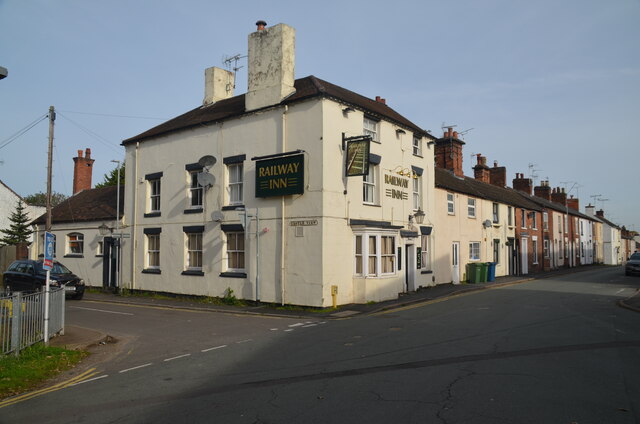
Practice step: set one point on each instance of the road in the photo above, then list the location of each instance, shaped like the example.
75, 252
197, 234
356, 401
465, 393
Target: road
547, 351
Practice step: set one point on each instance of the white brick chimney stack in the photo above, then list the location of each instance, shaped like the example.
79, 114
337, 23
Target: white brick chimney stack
271, 65
218, 85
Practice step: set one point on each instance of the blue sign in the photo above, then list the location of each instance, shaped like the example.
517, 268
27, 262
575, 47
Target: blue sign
49, 240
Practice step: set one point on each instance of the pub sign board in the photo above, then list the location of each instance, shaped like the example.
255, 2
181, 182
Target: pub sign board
358, 156
280, 176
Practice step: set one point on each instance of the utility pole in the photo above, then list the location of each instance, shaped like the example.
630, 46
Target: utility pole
52, 118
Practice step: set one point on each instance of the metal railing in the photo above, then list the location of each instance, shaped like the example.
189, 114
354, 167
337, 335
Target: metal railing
22, 319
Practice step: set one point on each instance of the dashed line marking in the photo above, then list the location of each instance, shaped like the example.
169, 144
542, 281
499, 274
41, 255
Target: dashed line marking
273, 329
91, 379
309, 325
177, 357
213, 348
297, 324
244, 341
135, 368
289, 329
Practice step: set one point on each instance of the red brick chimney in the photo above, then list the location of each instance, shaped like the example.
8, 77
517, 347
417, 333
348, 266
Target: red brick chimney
573, 203
559, 196
600, 213
82, 171
498, 175
481, 170
522, 184
448, 152
543, 190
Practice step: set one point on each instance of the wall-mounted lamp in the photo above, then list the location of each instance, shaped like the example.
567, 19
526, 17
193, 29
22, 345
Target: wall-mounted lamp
418, 216
105, 230
347, 110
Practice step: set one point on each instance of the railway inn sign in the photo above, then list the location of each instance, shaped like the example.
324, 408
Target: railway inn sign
280, 175
395, 193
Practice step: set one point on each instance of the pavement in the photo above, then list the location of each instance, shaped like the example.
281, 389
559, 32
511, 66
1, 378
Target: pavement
81, 338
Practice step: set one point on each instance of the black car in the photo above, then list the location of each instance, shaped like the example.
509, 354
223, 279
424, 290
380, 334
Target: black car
633, 264
27, 275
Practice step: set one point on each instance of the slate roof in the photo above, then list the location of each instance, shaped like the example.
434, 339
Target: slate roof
447, 180
306, 88
98, 204
548, 204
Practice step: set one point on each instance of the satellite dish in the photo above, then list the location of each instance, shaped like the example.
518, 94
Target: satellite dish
217, 216
205, 179
207, 161
486, 224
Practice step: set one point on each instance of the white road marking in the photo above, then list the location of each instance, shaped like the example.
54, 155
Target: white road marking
135, 368
274, 329
213, 348
102, 310
620, 291
309, 325
289, 329
177, 357
91, 379
244, 341
297, 324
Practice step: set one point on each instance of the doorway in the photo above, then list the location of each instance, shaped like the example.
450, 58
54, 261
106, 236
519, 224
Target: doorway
455, 262
410, 267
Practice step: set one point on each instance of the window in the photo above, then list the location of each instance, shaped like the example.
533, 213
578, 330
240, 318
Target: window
496, 213
524, 219
358, 261
369, 188
560, 249
370, 127
152, 261
235, 251
100, 248
388, 254
545, 221
510, 215
535, 250
195, 191
417, 146
451, 210
193, 260
546, 248
425, 260
474, 251
581, 228
75, 244
380, 253
417, 185
496, 251
559, 224
235, 183
154, 195
534, 221
471, 207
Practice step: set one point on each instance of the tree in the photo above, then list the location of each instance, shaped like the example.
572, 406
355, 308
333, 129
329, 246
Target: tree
19, 230
40, 199
111, 178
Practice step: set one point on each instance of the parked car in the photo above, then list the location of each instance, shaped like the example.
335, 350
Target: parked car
27, 275
633, 264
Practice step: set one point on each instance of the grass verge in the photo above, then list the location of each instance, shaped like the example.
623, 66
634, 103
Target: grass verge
33, 366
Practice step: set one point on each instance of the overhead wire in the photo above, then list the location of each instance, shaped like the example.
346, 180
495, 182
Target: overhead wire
98, 137
14, 137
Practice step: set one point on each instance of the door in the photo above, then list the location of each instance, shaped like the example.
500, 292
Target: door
512, 256
455, 262
410, 267
524, 257
109, 262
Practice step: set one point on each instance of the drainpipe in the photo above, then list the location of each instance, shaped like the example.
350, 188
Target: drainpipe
283, 277
134, 185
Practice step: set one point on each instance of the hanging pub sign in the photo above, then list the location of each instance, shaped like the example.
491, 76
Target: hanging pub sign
280, 175
357, 155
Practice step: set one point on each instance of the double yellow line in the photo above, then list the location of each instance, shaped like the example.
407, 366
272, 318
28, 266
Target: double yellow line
75, 380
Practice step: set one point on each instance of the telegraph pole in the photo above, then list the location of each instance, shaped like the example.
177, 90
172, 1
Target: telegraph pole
52, 118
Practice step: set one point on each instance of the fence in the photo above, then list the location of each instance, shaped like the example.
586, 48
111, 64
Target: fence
22, 319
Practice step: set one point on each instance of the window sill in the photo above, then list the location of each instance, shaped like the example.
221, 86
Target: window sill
152, 214
371, 204
74, 255
426, 272
100, 256
418, 155
151, 271
232, 207
233, 274
193, 210
196, 273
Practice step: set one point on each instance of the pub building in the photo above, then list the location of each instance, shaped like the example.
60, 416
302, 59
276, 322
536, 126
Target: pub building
296, 192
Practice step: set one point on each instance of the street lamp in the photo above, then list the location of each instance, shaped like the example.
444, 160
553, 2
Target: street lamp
418, 216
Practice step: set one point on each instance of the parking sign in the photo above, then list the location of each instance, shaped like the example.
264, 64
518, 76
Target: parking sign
48, 251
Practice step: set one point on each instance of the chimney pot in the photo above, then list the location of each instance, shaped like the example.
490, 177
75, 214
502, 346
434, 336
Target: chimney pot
88, 153
79, 153
261, 25
455, 135
495, 163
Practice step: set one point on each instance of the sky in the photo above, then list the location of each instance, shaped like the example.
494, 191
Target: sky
547, 88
